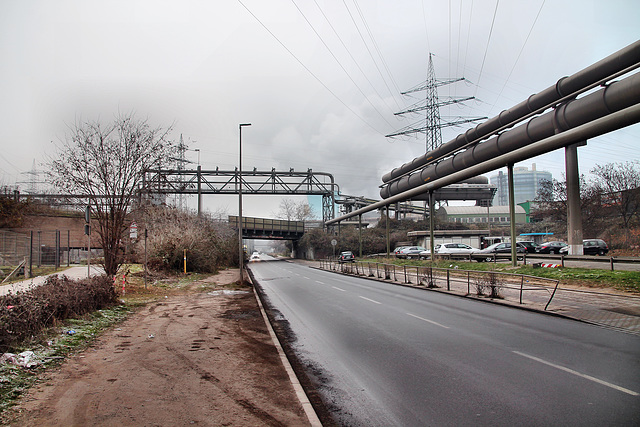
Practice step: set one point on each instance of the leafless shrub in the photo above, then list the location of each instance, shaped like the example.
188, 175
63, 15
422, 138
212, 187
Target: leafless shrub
25, 314
210, 244
488, 283
427, 279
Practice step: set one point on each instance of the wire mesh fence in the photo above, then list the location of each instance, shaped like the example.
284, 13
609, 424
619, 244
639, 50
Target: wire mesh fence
40, 248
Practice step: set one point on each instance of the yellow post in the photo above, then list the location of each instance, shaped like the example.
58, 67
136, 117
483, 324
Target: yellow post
185, 261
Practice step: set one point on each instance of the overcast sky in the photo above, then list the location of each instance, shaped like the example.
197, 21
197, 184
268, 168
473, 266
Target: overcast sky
319, 80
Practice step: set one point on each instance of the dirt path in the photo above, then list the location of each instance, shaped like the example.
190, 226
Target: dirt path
196, 359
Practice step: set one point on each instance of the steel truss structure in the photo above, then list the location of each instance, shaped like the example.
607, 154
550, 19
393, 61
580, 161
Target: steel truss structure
199, 182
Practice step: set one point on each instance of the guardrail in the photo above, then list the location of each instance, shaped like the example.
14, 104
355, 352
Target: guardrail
485, 283
526, 258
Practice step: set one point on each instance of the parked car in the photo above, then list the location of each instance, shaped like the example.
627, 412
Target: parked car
346, 256
397, 250
550, 247
409, 252
498, 248
590, 247
530, 247
454, 248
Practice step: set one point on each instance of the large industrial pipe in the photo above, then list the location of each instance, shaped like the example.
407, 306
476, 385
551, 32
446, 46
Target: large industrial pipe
619, 61
614, 121
615, 97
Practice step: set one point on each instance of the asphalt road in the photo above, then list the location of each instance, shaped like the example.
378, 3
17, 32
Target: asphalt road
392, 355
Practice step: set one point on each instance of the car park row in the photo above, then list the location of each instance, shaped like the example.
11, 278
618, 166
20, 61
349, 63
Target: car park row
591, 247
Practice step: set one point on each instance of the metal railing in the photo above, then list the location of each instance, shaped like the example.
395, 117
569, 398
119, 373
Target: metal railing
526, 258
491, 284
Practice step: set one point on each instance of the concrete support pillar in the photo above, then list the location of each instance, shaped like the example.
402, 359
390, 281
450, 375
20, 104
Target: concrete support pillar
574, 212
431, 225
512, 216
387, 231
360, 234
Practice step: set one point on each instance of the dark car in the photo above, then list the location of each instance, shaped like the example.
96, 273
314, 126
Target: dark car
498, 248
591, 247
550, 247
529, 247
594, 247
346, 256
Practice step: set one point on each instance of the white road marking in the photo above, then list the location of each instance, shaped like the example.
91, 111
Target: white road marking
588, 377
368, 299
428, 321
322, 283
340, 289
305, 277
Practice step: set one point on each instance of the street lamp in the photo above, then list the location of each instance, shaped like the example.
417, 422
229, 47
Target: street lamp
240, 248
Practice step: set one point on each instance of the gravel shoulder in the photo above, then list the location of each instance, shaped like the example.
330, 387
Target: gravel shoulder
196, 358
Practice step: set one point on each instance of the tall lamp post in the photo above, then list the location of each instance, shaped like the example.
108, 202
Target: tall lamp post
240, 248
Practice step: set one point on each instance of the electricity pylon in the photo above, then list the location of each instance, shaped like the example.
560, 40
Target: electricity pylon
432, 124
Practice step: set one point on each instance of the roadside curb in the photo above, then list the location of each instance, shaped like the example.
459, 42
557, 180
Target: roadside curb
295, 382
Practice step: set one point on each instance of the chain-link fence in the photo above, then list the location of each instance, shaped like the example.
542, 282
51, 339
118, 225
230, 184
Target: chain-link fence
14, 248
40, 248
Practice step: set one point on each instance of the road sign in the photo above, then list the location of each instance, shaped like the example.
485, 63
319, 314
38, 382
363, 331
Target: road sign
334, 242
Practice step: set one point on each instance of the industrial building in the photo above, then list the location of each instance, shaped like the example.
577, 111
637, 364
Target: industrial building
526, 185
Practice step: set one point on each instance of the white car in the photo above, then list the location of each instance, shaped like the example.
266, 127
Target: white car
450, 248
455, 248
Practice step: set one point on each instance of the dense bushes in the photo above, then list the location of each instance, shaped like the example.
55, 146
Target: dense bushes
25, 314
210, 244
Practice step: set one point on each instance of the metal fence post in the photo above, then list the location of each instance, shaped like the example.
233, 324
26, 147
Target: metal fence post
468, 282
405, 273
30, 254
68, 248
57, 257
521, 286
39, 248
611, 262
448, 284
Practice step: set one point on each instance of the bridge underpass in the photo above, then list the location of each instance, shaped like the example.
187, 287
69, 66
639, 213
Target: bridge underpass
270, 229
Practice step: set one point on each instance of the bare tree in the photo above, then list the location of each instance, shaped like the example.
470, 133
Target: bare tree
106, 163
295, 211
552, 205
620, 185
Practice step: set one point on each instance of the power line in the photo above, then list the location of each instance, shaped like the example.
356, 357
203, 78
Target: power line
354, 59
495, 12
340, 64
520, 53
466, 51
367, 47
307, 69
375, 45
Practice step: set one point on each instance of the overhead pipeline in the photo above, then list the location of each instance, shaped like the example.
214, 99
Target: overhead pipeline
621, 60
614, 97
